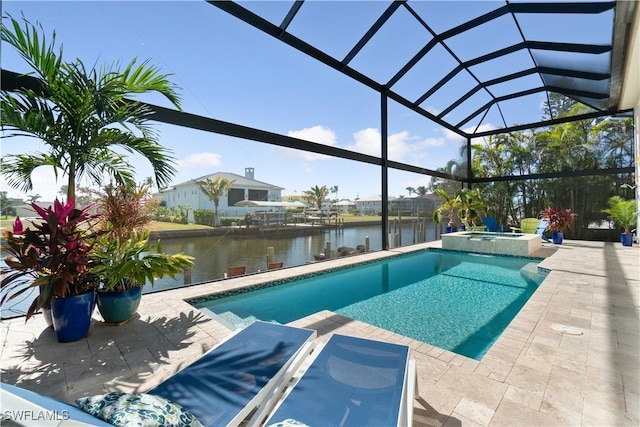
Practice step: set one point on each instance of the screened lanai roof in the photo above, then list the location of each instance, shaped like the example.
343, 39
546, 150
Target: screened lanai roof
462, 64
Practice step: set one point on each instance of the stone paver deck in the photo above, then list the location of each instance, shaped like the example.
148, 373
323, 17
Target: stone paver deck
570, 357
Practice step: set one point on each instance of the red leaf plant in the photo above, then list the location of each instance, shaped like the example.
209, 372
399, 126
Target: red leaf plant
559, 219
54, 256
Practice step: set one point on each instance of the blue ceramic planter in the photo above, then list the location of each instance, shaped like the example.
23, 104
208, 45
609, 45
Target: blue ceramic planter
626, 239
557, 237
72, 316
118, 306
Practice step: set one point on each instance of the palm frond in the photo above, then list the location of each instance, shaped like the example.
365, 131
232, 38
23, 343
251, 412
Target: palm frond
17, 169
33, 47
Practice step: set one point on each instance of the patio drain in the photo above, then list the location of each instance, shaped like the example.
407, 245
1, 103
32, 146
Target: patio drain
566, 329
578, 282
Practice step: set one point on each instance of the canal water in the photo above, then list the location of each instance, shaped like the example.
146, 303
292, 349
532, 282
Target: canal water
214, 254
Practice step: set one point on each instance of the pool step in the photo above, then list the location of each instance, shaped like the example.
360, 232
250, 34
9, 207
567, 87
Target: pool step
530, 271
233, 321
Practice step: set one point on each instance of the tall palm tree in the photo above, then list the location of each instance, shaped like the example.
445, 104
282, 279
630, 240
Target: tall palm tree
316, 195
334, 190
215, 189
33, 198
81, 114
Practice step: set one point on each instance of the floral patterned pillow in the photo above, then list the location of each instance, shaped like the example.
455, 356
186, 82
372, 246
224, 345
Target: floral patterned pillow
137, 409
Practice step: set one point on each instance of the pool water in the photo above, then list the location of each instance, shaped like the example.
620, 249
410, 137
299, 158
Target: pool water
457, 301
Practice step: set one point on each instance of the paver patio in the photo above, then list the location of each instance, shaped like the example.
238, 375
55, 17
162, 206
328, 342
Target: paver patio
570, 357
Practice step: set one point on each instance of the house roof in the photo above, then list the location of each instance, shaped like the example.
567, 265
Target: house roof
240, 181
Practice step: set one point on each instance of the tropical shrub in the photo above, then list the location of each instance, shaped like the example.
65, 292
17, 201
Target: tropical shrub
203, 216
624, 212
559, 219
55, 256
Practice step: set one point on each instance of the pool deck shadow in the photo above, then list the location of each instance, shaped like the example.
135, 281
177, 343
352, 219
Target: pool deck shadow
569, 358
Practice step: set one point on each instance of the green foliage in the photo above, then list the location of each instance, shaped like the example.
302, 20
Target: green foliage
133, 262
215, 189
124, 210
80, 114
577, 146
466, 204
173, 215
226, 222
447, 208
6, 205
624, 212
203, 216
316, 195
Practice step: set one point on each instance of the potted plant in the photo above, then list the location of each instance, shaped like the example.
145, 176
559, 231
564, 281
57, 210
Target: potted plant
124, 258
466, 205
625, 214
446, 209
469, 207
56, 258
125, 266
559, 220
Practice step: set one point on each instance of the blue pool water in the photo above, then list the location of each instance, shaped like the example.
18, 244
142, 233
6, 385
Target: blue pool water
456, 301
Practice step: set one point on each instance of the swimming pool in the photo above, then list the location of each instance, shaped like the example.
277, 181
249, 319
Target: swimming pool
457, 301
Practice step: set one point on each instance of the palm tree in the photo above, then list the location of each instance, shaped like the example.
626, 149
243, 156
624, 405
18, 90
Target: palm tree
316, 195
33, 198
421, 191
411, 190
334, 190
81, 115
215, 189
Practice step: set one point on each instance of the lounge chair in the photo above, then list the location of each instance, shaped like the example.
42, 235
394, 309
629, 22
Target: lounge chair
225, 385
490, 223
527, 226
352, 382
221, 388
541, 228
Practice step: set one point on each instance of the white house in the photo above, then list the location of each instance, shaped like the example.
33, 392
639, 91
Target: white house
344, 206
369, 205
244, 188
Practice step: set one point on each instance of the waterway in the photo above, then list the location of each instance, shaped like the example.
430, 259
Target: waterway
214, 254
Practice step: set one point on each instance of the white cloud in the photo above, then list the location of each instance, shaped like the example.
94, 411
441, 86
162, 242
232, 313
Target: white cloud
367, 141
430, 142
452, 136
318, 134
44, 184
200, 160
482, 128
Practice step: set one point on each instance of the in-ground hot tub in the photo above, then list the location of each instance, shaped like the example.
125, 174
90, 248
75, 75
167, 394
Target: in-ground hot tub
492, 243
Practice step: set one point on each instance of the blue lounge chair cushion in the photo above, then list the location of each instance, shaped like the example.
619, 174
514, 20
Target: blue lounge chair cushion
352, 382
132, 409
223, 382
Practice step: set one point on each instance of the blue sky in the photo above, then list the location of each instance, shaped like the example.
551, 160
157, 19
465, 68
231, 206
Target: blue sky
230, 71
